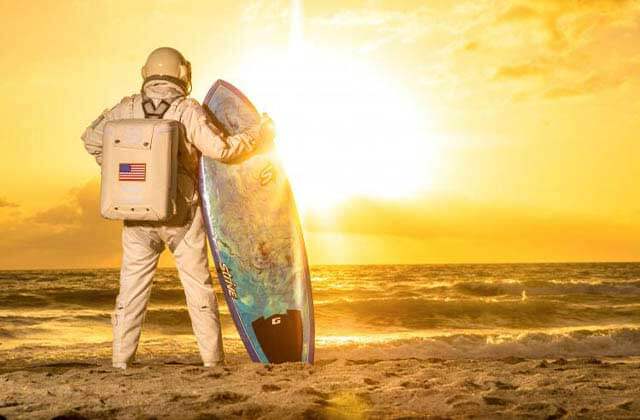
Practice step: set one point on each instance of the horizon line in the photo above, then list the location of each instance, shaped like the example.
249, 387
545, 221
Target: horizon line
350, 265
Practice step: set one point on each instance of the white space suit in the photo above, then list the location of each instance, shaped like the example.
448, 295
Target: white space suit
183, 234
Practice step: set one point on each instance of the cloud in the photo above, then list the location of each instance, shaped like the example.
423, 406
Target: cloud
63, 214
468, 229
547, 44
563, 49
265, 10
4, 203
69, 234
518, 13
379, 27
471, 46
553, 10
519, 71
550, 47
586, 86
353, 18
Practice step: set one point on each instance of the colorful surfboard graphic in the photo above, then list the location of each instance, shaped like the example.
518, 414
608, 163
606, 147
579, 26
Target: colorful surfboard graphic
256, 241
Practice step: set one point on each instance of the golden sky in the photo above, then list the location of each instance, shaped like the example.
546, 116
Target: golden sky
413, 131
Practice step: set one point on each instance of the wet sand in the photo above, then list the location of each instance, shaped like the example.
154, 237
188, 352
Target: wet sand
345, 382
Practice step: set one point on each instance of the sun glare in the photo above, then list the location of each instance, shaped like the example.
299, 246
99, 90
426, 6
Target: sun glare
345, 128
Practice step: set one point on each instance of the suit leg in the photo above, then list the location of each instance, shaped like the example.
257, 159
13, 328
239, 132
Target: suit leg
189, 248
141, 249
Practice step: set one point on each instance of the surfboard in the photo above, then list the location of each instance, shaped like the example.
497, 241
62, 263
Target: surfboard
256, 240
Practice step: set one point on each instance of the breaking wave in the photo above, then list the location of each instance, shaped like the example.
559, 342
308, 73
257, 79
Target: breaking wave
620, 342
526, 310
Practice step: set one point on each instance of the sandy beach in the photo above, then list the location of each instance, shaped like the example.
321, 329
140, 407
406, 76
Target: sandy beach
345, 382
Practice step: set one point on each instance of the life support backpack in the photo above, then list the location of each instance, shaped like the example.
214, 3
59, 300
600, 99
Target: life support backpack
140, 166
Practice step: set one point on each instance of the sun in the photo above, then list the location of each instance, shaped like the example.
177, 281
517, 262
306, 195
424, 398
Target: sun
344, 127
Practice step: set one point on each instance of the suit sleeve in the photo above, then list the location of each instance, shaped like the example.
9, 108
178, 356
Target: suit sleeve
92, 136
212, 143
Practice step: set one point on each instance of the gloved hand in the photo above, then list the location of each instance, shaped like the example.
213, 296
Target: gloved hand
267, 130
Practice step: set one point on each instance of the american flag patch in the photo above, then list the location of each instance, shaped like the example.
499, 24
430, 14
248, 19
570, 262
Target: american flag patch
132, 172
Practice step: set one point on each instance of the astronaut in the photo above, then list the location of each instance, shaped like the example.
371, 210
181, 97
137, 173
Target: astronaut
164, 94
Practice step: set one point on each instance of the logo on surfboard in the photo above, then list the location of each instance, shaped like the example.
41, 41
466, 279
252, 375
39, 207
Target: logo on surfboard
267, 174
228, 280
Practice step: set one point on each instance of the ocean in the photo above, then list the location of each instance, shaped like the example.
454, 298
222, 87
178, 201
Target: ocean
452, 311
